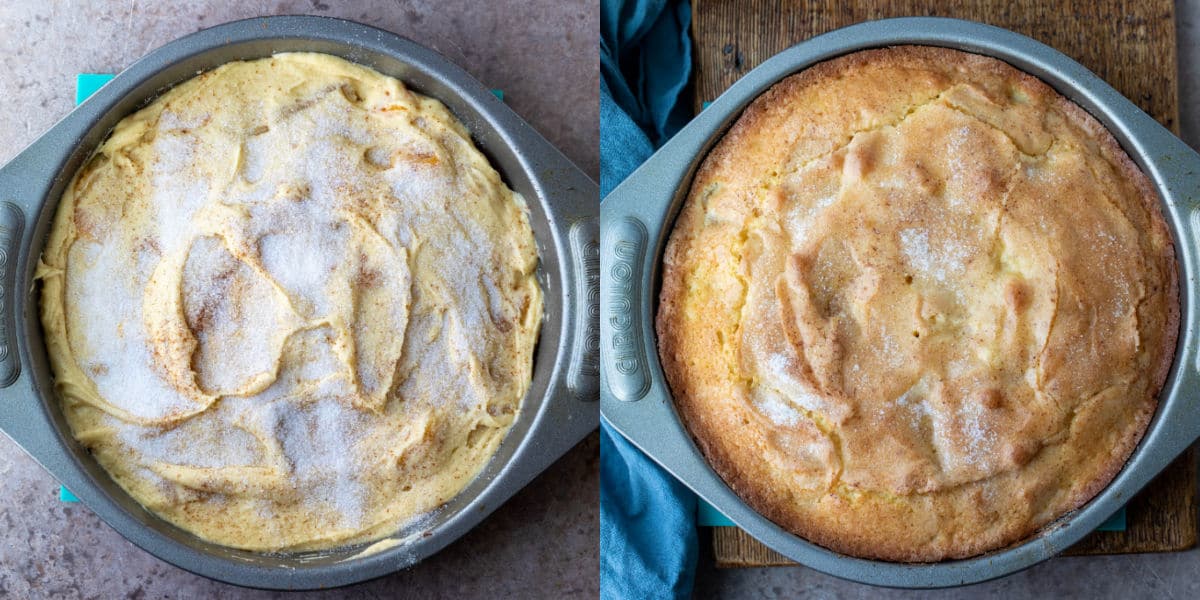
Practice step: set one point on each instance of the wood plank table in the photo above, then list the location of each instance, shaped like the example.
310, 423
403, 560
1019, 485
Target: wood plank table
1130, 44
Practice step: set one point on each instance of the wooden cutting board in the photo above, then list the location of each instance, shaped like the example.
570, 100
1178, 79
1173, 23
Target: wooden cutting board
1130, 44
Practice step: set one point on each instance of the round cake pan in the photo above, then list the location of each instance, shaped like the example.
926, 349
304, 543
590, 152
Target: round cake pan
637, 217
558, 411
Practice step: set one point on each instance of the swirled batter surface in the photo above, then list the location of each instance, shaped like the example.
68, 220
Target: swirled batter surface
917, 305
289, 305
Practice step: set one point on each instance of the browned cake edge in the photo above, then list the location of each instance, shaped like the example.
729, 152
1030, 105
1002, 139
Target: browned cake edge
771, 503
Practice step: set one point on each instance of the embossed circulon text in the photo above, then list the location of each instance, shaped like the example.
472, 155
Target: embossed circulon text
10, 238
585, 247
629, 378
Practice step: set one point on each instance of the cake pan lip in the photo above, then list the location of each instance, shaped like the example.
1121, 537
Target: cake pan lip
558, 411
636, 216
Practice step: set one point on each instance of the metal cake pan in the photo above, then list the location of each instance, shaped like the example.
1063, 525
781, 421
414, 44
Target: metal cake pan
636, 218
558, 411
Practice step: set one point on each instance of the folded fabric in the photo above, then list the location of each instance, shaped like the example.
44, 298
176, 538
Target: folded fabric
648, 543
645, 63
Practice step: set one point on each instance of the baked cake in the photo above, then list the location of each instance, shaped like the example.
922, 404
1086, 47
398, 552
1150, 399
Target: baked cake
917, 305
289, 305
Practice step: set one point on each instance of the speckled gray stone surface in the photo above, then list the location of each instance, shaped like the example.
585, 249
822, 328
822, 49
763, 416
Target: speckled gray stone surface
542, 543
1170, 575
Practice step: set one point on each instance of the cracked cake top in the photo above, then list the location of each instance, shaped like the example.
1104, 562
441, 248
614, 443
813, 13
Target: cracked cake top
917, 305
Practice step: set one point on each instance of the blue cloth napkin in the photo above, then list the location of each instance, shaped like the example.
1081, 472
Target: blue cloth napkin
645, 63
648, 540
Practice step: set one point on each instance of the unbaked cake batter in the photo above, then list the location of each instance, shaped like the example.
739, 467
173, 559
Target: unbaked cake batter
289, 305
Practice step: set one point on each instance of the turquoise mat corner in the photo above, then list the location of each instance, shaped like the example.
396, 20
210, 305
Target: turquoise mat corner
86, 84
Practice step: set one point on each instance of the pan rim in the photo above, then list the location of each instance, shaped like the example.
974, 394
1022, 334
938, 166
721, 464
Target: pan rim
675, 170
540, 408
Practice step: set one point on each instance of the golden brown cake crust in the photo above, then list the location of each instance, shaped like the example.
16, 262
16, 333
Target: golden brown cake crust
917, 305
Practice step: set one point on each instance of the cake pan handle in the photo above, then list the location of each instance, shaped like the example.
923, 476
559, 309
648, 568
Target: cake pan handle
1175, 169
11, 228
575, 220
583, 376
576, 196
634, 397
24, 183
633, 221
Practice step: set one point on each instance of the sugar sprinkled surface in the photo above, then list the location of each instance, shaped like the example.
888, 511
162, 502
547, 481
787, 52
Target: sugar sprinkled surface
777, 409
941, 261
318, 355
221, 296
119, 360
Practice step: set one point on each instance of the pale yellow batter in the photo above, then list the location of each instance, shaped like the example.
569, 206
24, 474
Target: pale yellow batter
289, 305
